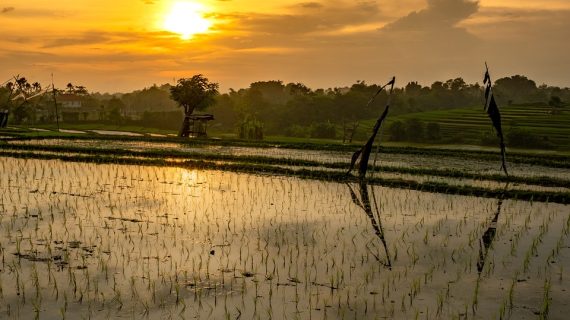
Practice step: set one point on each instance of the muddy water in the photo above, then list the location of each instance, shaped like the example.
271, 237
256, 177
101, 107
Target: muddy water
130, 241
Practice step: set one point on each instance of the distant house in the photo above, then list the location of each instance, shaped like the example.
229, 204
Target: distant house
73, 108
70, 101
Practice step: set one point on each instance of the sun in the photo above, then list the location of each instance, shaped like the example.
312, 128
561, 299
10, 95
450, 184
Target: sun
186, 19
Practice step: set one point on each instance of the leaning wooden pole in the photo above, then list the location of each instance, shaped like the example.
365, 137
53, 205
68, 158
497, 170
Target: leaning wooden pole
364, 152
494, 114
55, 102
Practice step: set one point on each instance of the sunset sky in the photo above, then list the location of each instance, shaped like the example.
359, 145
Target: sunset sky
123, 45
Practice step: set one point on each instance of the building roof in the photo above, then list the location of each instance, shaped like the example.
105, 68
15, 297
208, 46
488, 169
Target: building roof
69, 97
205, 117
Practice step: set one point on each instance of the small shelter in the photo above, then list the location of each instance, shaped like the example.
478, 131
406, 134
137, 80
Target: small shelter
198, 125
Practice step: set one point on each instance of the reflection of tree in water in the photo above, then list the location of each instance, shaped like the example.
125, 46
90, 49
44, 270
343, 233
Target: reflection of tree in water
364, 203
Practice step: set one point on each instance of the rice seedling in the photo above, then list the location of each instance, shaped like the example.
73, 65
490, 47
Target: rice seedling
151, 238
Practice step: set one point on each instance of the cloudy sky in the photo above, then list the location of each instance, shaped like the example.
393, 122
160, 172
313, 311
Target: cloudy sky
113, 46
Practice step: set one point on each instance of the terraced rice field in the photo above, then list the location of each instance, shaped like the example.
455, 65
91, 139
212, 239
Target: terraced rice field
470, 123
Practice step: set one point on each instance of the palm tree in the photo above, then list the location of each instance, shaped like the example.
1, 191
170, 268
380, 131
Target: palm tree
80, 90
70, 88
37, 86
22, 83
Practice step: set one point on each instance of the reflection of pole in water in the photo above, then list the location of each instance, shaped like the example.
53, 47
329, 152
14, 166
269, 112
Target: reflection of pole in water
364, 203
485, 245
488, 238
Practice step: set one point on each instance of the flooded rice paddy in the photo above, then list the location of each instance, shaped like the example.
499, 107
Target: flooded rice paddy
397, 160
82, 240
419, 169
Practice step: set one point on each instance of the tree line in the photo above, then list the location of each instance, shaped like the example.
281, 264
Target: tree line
295, 110
292, 109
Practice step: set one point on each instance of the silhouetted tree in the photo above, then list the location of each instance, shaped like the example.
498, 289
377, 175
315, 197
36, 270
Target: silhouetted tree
114, 115
23, 99
323, 130
413, 88
514, 89
36, 86
196, 93
414, 130
152, 99
555, 104
80, 90
522, 138
251, 129
116, 107
70, 88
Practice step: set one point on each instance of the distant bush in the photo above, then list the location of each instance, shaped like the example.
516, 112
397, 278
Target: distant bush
456, 138
362, 134
414, 130
114, 116
251, 129
323, 130
298, 131
433, 131
397, 131
529, 104
489, 138
522, 138
169, 120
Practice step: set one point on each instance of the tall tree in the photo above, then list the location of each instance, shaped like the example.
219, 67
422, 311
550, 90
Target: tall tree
70, 88
81, 90
196, 93
515, 89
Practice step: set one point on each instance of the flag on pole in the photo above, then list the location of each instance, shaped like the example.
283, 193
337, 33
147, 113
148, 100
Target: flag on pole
364, 152
495, 116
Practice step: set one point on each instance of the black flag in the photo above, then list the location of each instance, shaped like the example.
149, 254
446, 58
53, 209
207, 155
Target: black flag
495, 116
364, 152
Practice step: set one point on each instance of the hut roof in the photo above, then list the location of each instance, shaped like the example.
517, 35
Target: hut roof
206, 117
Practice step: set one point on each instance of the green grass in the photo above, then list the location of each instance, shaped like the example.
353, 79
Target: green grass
470, 132
468, 125
23, 131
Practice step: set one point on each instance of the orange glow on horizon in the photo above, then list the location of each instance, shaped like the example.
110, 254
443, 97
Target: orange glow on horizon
122, 46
